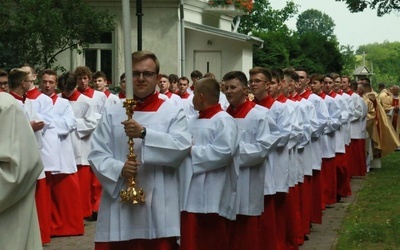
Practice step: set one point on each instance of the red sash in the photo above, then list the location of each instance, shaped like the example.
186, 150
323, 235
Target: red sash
242, 110
149, 104
210, 112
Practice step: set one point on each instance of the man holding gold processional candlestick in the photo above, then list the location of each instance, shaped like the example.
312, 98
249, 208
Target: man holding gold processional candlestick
161, 142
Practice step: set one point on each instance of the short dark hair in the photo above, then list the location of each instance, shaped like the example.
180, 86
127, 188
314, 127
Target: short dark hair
236, 75
139, 56
3, 73
173, 78
289, 72
99, 74
16, 77
122, 77
300, 68
184, 78
317, 77
196, 74
260, 70
48, 72
165, 76
277, 73
67, 81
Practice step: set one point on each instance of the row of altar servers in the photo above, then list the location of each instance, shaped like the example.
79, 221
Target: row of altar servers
307, 168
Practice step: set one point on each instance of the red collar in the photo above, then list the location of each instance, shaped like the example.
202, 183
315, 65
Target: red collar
281, 98
242, 110
89, 92
350, 92
18, 97
73, 97
33, 94
296, 97
266, 102
332, 94
107, 92
168, 93
306, 93
210, 112
322, 95
121, 95
54, 97
184, 95
149, 104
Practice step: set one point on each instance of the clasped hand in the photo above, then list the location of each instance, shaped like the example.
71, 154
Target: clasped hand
130, 168
132, 128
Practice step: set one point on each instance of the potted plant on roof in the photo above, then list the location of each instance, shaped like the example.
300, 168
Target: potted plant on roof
245, 6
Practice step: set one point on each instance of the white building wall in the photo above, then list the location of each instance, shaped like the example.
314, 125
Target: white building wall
161, 35
236, 55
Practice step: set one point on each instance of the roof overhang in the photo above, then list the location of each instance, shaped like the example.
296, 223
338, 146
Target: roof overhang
228, 34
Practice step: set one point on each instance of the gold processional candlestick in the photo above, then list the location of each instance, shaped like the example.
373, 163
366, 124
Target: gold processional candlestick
131, 193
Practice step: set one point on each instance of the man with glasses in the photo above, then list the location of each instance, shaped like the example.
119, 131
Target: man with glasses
277, 179
41, 120
312, 207
161, 143
4, 81
256, 141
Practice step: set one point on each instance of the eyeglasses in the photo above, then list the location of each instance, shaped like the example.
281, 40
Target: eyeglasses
256, 81
3, 83
145, 74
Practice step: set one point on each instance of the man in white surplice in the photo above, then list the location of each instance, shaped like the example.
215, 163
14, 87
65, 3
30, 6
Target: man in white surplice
256, 141
161, 142
208, 184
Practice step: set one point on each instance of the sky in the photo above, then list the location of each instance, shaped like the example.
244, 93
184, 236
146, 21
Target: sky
353, 29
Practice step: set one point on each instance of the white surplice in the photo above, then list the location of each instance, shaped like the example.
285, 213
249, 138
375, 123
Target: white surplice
256, 141
160, 154
209, 183
86, 122
65, 124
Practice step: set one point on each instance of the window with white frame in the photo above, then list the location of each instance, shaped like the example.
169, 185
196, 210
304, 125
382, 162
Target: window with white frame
99, 56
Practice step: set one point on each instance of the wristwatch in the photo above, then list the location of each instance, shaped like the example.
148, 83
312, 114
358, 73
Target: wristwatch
143, 133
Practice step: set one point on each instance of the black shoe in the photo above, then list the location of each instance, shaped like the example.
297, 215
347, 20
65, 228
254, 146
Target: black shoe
306, 237
94, 216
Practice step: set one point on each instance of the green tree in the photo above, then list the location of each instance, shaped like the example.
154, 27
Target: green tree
313, 20
278, 51
349, 59
382, 6
384, 59
318, 54
36, 31
264, 18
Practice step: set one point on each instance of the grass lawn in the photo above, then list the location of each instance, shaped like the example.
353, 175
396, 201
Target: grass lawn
373, 220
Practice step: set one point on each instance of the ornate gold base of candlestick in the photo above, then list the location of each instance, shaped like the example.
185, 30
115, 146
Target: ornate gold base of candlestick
131, 193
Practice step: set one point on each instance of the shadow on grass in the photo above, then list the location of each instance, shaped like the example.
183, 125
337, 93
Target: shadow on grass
373, 220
